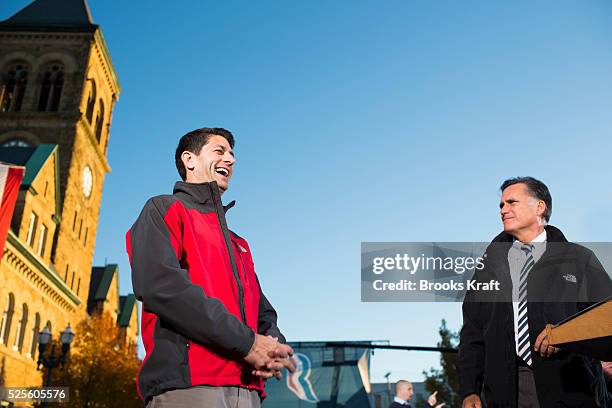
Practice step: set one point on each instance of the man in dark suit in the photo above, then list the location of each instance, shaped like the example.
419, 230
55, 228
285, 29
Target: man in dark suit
504, 354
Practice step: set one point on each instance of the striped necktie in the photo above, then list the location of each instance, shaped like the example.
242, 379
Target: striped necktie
522, 336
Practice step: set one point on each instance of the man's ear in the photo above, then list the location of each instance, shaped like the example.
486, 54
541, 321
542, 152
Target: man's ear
541, 208
187, 158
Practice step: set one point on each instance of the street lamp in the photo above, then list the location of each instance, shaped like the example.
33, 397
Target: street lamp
51, 361
66, 338
388, 386
44, 337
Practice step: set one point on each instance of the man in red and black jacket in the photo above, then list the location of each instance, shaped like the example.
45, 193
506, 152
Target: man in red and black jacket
209, 332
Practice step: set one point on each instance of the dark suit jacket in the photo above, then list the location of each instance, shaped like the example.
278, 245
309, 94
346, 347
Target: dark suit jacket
566, 279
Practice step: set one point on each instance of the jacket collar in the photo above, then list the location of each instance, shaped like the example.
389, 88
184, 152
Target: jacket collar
198, 192
202, 193
553, 234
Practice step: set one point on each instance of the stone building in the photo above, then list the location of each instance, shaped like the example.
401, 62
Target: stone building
58, 89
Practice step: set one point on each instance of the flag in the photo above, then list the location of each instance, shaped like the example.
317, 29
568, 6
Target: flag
10, 180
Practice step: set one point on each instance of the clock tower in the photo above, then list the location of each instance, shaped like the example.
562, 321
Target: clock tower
59, 87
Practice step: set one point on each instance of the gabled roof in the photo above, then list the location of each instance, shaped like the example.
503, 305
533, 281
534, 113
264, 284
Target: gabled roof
33, 158
72, 15
18, 156
101, 279
126, 308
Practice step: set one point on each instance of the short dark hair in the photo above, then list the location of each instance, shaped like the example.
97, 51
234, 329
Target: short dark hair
193, 142
536, 188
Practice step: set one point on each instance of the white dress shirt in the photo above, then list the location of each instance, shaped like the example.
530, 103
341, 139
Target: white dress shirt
516, 260
400, 401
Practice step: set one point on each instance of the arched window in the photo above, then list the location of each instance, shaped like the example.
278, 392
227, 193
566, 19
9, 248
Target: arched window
7, 317
16, 143
21, 329
51, 88
13, 89
91, 102
34, 340
113, 101
100, 121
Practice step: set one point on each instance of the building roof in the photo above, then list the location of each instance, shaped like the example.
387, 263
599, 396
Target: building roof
100, 283
126, 308
16, 155
33, 158
72, 15
101, 279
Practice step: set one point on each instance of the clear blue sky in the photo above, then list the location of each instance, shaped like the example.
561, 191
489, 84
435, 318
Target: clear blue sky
361, 121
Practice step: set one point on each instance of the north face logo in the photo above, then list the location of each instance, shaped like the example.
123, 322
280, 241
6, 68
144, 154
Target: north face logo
570, 278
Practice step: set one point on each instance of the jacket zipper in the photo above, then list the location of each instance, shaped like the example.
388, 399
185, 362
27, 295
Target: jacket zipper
228, 245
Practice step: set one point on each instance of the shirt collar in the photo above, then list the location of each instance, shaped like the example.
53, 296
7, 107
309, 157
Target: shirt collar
539, 239
400, 401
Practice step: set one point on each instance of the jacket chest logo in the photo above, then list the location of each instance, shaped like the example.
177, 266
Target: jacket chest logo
569, 277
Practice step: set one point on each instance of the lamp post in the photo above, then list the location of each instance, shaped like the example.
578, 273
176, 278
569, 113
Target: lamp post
388, 386
51, 361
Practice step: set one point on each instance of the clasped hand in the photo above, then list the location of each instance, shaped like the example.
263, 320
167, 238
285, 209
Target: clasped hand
269, 357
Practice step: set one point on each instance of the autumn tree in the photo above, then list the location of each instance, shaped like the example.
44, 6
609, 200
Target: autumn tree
445, 380
101, 368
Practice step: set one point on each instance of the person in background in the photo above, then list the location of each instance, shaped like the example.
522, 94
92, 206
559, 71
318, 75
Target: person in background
404, 393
